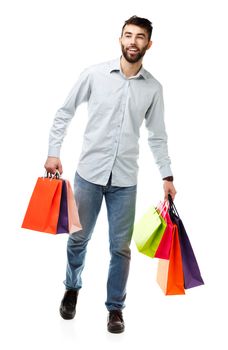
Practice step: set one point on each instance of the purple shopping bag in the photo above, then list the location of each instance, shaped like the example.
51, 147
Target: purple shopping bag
192, 275
63, 225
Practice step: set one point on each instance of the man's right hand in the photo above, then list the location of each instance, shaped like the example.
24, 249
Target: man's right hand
52, 164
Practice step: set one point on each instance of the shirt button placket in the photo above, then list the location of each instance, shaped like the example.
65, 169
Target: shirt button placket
122, 112
124, 101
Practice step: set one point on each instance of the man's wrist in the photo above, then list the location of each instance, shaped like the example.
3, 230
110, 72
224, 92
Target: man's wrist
168, 178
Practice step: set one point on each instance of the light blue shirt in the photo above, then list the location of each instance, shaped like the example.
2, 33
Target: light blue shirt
117, 107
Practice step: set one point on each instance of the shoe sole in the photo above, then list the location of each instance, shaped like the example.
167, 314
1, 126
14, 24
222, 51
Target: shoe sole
66, 316
116, 331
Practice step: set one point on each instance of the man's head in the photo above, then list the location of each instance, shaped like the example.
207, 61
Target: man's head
135, 38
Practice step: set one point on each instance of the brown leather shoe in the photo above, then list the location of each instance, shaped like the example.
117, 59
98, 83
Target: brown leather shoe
68, 304
115, 321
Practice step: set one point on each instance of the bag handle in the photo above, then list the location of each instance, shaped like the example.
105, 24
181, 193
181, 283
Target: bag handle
172, 205
51, 176
163, 207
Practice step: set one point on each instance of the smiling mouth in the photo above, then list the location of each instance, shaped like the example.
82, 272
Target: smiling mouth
133, 50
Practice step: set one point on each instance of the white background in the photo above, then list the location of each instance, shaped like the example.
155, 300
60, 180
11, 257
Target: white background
44, 47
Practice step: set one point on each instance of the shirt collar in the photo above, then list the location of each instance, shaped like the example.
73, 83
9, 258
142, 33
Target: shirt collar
115, 66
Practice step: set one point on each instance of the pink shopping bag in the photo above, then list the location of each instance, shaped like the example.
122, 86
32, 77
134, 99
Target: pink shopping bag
73, 216
163, 250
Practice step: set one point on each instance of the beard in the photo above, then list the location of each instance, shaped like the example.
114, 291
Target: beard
133, 58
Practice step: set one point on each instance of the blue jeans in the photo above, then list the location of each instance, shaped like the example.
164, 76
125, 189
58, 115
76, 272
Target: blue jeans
120, 203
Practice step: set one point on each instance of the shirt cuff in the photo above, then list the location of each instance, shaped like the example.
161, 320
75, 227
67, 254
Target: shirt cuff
53, 152
165, 171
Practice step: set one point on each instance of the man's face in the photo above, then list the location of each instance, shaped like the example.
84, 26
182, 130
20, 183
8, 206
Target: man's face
134, 43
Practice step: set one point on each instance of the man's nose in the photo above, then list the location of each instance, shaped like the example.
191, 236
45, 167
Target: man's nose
133, 40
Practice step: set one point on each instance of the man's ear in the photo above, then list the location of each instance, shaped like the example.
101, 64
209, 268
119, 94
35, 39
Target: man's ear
149, 44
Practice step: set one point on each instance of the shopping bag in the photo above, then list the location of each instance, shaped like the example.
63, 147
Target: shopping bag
74, 224
42, 213
192, 275
63, 220
52, 207
170, 275
163, 250
148, 232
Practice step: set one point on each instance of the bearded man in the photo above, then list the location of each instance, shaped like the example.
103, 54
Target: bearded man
120, 95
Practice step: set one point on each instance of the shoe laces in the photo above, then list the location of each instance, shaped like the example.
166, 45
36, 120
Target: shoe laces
115, 315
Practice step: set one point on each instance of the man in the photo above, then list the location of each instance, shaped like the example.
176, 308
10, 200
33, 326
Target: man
120, 95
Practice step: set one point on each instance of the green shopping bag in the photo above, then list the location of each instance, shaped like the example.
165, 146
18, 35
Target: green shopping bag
148, 232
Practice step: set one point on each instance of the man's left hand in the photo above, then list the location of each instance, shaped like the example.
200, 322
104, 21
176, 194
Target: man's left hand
169, 189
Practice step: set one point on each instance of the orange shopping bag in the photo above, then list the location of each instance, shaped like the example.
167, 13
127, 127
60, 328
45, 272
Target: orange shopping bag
43, 210
170, 275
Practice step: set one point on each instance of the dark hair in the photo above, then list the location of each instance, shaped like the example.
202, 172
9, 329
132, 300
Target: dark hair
140, 22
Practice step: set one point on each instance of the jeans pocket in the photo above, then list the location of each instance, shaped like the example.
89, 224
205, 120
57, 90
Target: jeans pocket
83, 184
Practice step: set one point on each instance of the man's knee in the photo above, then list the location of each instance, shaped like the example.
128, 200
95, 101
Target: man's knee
78, 238
121, 250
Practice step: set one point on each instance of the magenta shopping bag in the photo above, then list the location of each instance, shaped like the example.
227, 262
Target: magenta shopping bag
163, 251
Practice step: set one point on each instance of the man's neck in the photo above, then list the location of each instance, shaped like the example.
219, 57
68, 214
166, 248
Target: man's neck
130, 69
